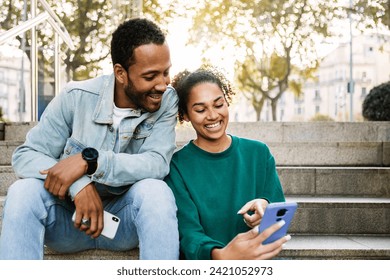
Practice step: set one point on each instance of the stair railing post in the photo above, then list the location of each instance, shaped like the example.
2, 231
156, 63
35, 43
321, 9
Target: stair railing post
34, 65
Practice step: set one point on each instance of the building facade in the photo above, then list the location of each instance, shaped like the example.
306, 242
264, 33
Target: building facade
328, 95
15, 89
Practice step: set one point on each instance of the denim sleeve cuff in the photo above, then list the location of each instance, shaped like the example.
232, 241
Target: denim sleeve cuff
78, 186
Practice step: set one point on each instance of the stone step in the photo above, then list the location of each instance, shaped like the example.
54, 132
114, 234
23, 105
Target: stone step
16, 131
285, 132
307, 181
6, 150
292, 132
329, 153
337, 247
332, 154
300, 247
295, 154
93, 255
334, 215
7, 177
336, 181
341, 215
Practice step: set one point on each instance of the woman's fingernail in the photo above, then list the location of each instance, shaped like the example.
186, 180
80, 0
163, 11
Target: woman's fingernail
281, 223
288, 237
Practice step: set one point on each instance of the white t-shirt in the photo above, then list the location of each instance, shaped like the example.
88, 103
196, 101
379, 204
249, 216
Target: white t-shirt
119, 114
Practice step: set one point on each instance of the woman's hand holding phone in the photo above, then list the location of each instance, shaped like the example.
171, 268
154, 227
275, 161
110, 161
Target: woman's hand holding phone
253, 211
276, 213
248, 245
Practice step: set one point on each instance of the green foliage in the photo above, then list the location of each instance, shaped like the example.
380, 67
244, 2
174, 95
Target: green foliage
90, 24
295, 87
376, 105
278, 38
1, 115
372, 14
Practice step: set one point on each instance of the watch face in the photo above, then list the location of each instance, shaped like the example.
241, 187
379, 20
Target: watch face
90, 153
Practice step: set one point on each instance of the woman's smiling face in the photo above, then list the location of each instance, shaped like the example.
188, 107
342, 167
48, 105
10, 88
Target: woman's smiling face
207, 110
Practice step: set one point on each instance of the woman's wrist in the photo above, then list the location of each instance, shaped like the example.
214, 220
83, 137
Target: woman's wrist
216, 253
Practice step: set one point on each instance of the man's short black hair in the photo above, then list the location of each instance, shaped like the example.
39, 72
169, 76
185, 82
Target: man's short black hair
130, 35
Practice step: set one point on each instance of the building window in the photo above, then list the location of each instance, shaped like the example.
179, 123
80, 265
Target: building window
317, 109
299, 110
364, 92
317, 95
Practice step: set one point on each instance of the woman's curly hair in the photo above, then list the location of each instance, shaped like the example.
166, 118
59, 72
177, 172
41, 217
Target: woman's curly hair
185, 81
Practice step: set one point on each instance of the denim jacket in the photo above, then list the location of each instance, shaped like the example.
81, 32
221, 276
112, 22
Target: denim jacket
82, 116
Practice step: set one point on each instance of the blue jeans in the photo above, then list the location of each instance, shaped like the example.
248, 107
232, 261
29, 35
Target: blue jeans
33, 217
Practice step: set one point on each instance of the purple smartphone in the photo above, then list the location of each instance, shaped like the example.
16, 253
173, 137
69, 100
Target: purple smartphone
273, 214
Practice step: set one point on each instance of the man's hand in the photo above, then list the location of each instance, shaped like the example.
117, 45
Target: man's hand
257, 206
89, 206
63, 174
248, 245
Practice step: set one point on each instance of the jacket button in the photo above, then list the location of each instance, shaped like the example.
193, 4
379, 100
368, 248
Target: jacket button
110, 128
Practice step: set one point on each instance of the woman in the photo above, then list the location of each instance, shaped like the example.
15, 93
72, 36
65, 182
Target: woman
218, 174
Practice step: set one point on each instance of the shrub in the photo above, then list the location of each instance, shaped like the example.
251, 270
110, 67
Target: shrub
376, 105
1, 115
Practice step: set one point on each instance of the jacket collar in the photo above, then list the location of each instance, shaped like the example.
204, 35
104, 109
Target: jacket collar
104, 107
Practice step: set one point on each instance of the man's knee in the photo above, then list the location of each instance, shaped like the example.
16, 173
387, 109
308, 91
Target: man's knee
24, 192
25, 187
155, 192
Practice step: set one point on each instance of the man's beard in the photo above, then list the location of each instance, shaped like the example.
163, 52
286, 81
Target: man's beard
139, 98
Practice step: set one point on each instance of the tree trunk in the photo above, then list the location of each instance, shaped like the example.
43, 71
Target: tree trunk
274, 103
258, 106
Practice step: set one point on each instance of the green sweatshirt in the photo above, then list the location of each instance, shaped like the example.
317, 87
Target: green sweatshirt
211, 187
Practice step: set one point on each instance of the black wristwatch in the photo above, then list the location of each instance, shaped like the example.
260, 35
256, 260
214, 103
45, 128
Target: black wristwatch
90, 155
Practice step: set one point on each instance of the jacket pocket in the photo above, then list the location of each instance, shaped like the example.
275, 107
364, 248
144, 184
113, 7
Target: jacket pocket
72, 147
143, 130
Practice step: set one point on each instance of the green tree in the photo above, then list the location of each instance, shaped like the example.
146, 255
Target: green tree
90, 24
372, 14
86, 22
275, 38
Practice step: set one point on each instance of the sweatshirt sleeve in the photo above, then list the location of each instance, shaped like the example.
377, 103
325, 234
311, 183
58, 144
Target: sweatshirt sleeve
273, 190
194, 243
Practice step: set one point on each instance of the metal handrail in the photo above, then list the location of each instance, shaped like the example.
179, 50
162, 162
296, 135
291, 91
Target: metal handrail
46, 15
57, 24
23, 27
60, 30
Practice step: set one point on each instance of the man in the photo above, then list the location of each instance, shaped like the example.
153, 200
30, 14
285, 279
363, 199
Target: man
102, 144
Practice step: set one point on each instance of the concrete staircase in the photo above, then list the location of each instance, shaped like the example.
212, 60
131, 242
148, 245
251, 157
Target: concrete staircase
339, 173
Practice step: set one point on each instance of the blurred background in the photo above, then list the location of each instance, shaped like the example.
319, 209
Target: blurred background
290, 60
